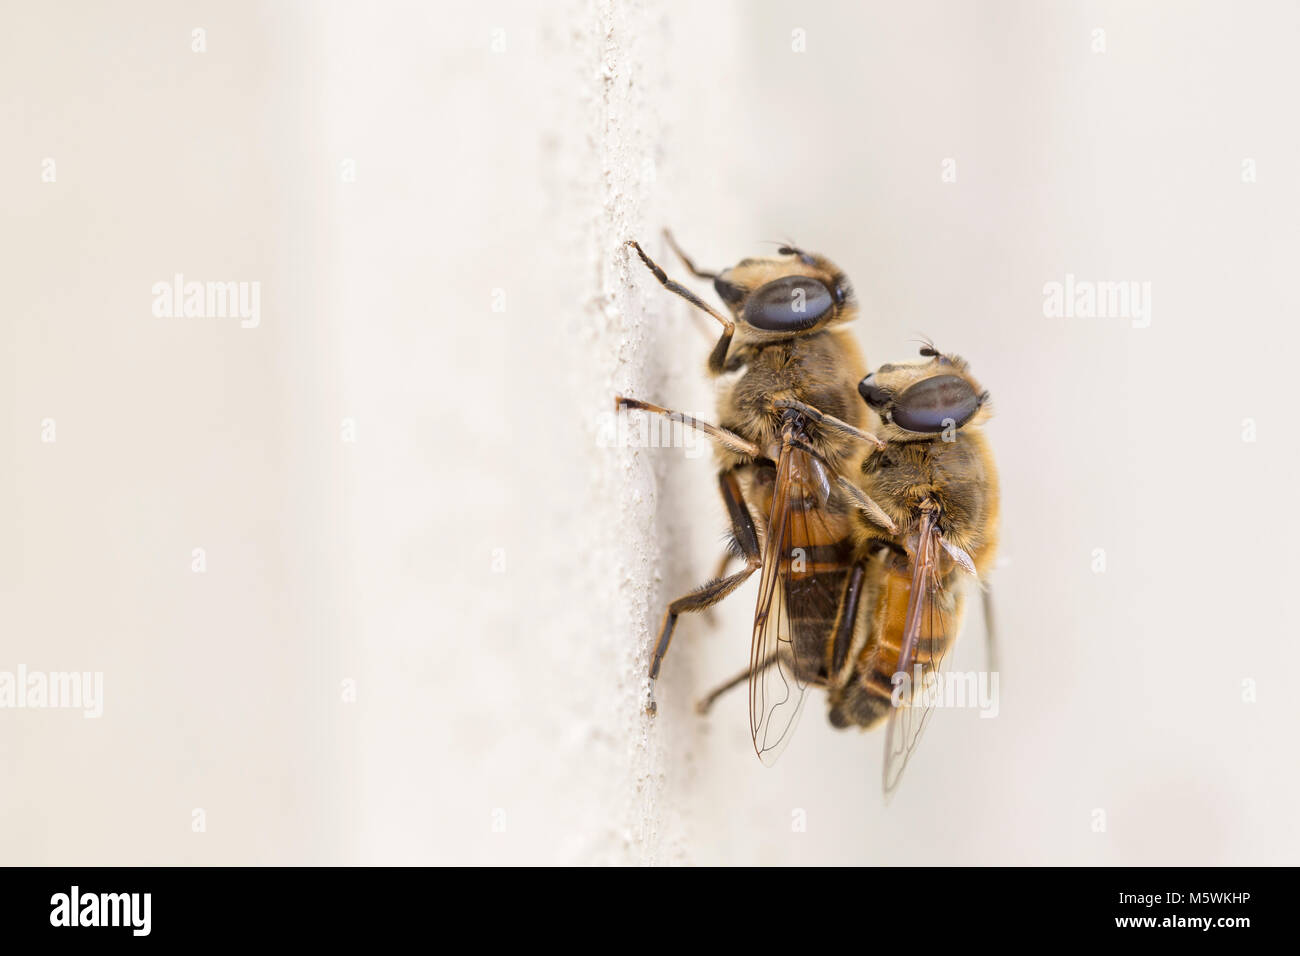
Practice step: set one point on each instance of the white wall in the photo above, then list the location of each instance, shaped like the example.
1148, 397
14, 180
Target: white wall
514, 697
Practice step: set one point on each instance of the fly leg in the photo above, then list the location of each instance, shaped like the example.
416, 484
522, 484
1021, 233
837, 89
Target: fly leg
686, 260
830, 421
720, 571
742, 526
718, 358
860, 499
856, 496
990, 630
705, 702
700, 323
727, 439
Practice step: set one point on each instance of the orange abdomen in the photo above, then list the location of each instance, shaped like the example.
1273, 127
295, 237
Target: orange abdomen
867, 697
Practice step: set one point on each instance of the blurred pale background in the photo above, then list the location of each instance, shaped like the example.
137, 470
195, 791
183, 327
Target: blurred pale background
432, 197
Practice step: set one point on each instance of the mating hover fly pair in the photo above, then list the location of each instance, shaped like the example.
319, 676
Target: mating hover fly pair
874, 494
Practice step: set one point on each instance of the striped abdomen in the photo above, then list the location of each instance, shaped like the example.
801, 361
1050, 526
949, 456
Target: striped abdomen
814, 555
865, 697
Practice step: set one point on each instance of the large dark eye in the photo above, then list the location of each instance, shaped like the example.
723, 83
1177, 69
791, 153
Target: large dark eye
871, 394
929, 404
788, 305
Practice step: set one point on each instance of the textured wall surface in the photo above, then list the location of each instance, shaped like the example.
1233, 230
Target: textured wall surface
402, 481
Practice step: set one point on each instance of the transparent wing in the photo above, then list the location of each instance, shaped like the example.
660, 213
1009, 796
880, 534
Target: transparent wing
804, 567
928, 635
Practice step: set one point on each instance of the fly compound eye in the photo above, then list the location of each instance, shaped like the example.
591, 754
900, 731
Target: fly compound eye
936, 403
791, 304
872, 394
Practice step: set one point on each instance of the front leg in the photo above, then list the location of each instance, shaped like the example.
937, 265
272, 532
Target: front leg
859, 498
718, 358
830, 421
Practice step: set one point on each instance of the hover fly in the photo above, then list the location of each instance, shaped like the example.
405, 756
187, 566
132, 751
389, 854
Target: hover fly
792, 454
936, 481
